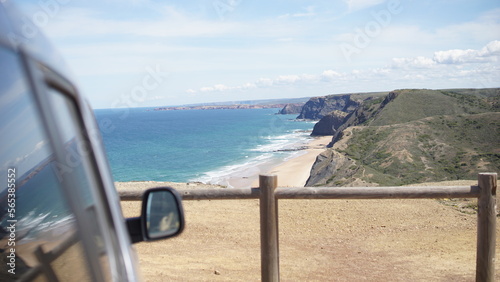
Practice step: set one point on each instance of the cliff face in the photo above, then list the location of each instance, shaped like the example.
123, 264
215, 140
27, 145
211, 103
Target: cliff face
329, 124
368, 109
290, 109
318, 107
336, 123
327, 162
336, 112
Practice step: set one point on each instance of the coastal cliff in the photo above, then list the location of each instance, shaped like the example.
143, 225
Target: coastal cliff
329, 124
333, 110
318, 107
411, 136
368, 109
290, 109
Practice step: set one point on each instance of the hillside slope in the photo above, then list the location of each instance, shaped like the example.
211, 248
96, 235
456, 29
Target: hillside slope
414, 136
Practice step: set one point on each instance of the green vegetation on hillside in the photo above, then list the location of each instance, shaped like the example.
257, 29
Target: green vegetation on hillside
422, 136
433, 149
414, 104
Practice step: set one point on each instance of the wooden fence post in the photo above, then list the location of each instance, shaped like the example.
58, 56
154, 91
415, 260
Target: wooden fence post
486, 227
269, 248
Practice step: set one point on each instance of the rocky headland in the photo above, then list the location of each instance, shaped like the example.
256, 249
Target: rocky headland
329, 124
318, 107
290, 109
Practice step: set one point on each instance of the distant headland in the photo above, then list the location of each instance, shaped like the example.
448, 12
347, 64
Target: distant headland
238, 105
221, 107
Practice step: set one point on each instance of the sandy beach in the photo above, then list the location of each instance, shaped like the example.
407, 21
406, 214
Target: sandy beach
320, 240
295, 172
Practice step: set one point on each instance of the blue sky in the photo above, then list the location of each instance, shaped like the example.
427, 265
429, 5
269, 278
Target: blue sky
141, 53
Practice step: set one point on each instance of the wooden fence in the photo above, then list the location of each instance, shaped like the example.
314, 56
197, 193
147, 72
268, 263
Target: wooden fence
268, 194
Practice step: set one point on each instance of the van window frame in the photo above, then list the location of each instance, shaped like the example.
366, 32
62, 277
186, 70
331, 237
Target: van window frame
42, 79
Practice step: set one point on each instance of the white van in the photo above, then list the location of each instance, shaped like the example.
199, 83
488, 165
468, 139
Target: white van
60, 215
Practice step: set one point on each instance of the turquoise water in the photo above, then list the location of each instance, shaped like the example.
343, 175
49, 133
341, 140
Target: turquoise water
197, 145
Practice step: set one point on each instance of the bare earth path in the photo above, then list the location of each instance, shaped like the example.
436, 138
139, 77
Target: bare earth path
320, 240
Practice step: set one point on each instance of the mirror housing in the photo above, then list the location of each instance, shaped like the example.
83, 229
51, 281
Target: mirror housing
162, 216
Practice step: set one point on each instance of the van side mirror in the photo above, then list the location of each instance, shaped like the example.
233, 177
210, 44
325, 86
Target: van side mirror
162, 216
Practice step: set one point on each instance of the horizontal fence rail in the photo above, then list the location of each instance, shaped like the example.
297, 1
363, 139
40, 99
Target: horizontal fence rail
269, 194
408, 192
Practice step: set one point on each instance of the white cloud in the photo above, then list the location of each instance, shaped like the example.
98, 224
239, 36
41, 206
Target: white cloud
223, 88
488, 54
329, 75
155, 98
248, 86
264, 82
287, 79
355, 5
381, 71
217, 87
417, 62
456, 56
38, 147
492, 48
309, 12
281, 80
478, 67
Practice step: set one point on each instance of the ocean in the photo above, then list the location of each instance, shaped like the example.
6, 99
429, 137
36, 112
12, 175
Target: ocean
209, 146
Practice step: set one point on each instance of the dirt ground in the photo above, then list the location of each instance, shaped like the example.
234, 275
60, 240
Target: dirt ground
320, 240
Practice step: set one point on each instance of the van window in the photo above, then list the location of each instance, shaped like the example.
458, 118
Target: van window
80, 175
39, 235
